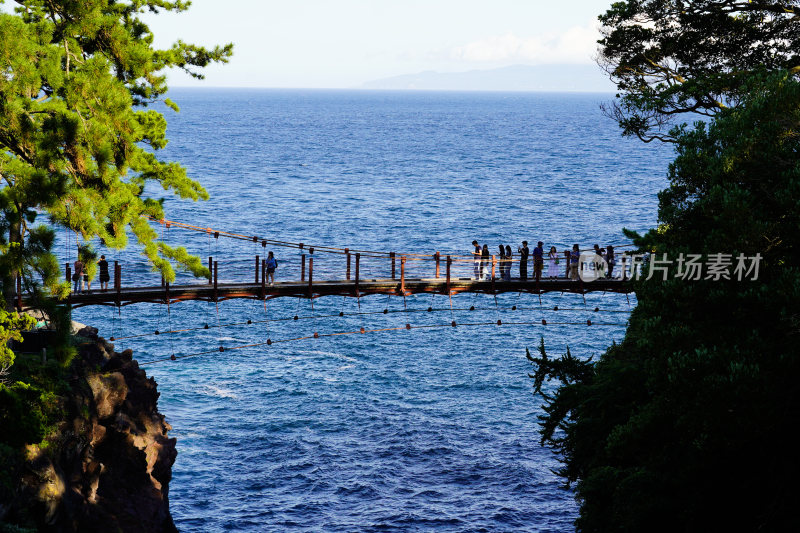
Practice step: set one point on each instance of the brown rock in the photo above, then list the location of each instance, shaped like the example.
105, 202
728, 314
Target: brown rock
110, 390
108, 471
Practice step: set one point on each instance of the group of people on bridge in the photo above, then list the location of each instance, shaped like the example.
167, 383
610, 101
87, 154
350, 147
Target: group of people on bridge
82, 276
602, 261
82, 280
483, 261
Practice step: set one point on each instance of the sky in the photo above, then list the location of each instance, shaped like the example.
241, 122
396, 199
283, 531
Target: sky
345, 43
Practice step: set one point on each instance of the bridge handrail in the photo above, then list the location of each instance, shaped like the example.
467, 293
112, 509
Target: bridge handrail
414, 256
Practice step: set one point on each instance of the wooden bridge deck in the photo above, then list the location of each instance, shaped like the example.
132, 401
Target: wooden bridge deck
227, 291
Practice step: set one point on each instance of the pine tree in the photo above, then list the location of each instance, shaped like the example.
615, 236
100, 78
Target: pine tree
685, 425
78, 141
673, 57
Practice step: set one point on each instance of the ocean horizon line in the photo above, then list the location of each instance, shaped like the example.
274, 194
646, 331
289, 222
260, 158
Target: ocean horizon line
369, 90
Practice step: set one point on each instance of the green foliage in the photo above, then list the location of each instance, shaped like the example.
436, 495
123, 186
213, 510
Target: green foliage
11, 327
685, 425
61, 322
23, 416
30, 410
670, 57
52, 376
79, 145
77, 141
88, 256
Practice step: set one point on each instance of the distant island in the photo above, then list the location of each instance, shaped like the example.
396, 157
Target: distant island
569, 78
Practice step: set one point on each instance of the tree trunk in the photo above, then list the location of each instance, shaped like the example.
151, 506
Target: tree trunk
10, 278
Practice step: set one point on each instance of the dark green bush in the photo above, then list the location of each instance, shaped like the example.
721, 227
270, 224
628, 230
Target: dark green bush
22, 414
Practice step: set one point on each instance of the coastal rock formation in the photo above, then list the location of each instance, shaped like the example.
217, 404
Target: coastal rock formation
109, 464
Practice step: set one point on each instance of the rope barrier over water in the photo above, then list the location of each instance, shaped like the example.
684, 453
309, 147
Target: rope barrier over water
407, 326
387, 311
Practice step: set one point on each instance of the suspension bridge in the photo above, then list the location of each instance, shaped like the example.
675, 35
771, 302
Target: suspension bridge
320, 270
313, 271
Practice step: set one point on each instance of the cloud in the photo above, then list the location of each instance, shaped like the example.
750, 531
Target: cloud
575, 45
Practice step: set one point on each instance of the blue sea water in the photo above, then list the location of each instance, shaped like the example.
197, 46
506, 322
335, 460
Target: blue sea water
424, 430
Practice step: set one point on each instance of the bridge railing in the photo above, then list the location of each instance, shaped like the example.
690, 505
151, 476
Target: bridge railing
301, 265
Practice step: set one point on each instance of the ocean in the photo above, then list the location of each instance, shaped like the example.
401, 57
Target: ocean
429, 429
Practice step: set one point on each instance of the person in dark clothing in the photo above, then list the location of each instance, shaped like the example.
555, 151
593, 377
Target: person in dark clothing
523, 260
502, 262
486, 260
104, 277
599, 252
509, 261
538, 260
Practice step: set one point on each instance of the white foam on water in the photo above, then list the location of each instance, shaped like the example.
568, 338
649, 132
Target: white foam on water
213, 390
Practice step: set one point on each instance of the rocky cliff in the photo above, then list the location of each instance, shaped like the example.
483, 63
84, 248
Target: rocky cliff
108, 465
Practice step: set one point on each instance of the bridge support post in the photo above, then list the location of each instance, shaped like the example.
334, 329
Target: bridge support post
258, 265
210, 270
449, 262
118, 281
216, 272
68, 270
166, 292
566, 260
311, 274
403, 275
263, 279
347, 253
392, 255
302, 267
358, 263
436, 256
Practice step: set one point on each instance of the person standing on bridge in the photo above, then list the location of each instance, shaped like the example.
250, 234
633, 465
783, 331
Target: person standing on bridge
476, 255
501, 262
552, 263
104, 277
77, 276
574, 257
509, 261
599, 253
272, 264
523, 260
486, 260
538, 260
